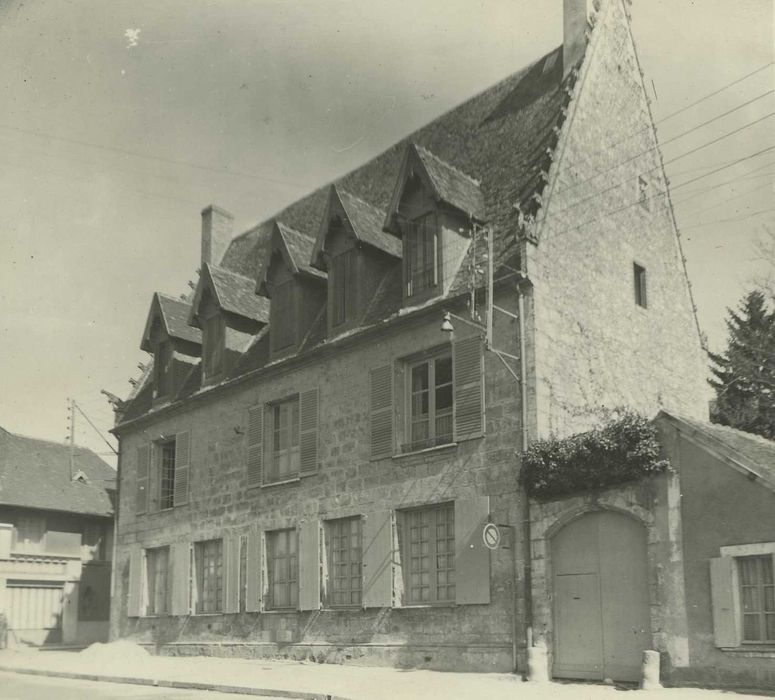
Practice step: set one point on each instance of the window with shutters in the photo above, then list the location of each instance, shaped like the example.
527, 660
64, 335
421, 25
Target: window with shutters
429, 395
285, 440
343, 287
282, 570
208, 562
345, 565
757, 598
166, 474
427, 552
421, 254
158, 580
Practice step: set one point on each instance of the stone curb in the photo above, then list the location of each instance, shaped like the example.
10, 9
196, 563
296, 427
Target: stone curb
181, 685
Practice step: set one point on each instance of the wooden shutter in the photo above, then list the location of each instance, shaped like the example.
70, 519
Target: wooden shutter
309, 565
723, 594
255, 445
231, 574
467, 369
143, 466
182, 468
381, 411
308, 433
180, 552
378, 560
255, 564
472, 558
135, 598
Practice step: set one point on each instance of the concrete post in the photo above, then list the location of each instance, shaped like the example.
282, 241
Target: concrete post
538, 663
650, 670
6, 536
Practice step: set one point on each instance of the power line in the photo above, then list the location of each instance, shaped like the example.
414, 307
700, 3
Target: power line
726, 221
96, 429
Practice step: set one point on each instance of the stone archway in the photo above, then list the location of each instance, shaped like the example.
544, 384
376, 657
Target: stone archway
601, 597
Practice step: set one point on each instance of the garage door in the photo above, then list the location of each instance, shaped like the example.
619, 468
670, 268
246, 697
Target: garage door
35, 611
601, 602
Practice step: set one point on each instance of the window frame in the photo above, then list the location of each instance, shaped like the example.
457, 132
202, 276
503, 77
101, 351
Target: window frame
353, 561
429, 275
759, 585
291, 568
214, 577
640, 285
343, 272
272, 474
162, 369
165, 472
405, 528
151, 574
283, 316
428, 359
213, 344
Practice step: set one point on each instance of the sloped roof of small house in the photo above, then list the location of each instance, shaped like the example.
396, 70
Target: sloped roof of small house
174, 314
36, 474
754, 452
234, 293
299, 247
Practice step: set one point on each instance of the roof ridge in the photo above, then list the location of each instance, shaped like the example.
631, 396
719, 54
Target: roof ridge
169, 297
473, 180
51, 442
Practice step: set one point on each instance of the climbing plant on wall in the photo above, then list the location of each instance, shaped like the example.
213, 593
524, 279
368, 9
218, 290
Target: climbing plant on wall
625, 449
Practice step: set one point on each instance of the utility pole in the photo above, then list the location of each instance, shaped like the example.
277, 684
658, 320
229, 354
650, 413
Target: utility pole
72, 438
490, 266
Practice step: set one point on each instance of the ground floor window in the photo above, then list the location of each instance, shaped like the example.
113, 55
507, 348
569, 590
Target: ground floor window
282, 570
345, 575
427, 542
157, 563
757, 598
208, 560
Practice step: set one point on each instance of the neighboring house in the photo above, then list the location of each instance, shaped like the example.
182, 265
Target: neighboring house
307, 467
56, 540
681, 562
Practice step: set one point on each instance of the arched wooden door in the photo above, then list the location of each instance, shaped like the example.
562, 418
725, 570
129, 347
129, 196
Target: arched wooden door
601, 601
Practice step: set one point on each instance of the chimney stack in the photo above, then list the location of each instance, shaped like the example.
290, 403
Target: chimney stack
575, 17
216, 234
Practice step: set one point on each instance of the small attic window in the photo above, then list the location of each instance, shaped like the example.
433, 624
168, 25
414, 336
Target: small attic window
639, 281
421, 254
162, 368
212, 345
283, 316
343, 286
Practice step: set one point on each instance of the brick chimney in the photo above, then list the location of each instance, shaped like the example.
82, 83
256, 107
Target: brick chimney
216, 234
575, 14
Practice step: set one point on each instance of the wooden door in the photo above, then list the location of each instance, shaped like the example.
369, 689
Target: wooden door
601, 604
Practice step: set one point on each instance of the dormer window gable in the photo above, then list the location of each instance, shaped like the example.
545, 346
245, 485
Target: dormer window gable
355, 252
229, 313
174, 344
433, 209
295, 288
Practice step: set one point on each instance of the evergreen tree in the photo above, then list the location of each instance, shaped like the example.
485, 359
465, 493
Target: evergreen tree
744, 375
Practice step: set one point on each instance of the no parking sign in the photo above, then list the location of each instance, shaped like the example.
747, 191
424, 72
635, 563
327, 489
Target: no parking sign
491, 536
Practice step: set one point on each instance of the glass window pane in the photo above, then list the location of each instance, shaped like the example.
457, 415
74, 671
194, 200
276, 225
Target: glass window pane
420, 377
443, 370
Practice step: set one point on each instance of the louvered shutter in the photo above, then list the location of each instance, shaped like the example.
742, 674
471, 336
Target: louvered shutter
381, 411
308, 434
255, 445
231, 574
182, 468
472, 558
725, 627
309, 565
467, 368
181, 578
254, 574
135, 598
377, 556
143, 466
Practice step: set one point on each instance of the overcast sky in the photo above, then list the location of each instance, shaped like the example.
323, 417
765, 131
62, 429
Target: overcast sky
112, 141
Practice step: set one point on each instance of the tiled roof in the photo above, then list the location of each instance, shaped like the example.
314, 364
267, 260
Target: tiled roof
36, 474
367, 221
756, 452
174, 314
451, 185
299, 246
237, 294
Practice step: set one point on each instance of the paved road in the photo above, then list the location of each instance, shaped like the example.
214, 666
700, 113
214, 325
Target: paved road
16, 686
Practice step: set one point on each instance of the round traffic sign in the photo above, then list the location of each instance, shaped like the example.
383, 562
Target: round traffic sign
491, 536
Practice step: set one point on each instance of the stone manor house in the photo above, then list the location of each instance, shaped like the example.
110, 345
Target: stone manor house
308, 463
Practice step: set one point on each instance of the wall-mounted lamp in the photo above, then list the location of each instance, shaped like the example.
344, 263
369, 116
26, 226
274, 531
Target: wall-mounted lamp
446, 324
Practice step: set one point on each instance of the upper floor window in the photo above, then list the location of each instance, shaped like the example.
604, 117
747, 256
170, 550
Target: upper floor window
343, 286
212, 345
166, 474
639, 280
757, 598
430, 402
162, 368
285, 440
283, 323
421, 251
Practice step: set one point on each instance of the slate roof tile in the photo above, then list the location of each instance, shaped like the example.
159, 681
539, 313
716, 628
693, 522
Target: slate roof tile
237, 294
367, 220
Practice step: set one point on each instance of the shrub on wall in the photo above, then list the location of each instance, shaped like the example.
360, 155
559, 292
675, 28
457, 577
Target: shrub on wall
626, 449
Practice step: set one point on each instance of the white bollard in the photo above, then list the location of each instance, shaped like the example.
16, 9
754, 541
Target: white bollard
650, 670
537, 663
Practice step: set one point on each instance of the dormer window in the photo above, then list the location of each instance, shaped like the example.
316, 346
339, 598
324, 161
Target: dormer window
343, 286
284, 316
162, 368
421, 254
212, 344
